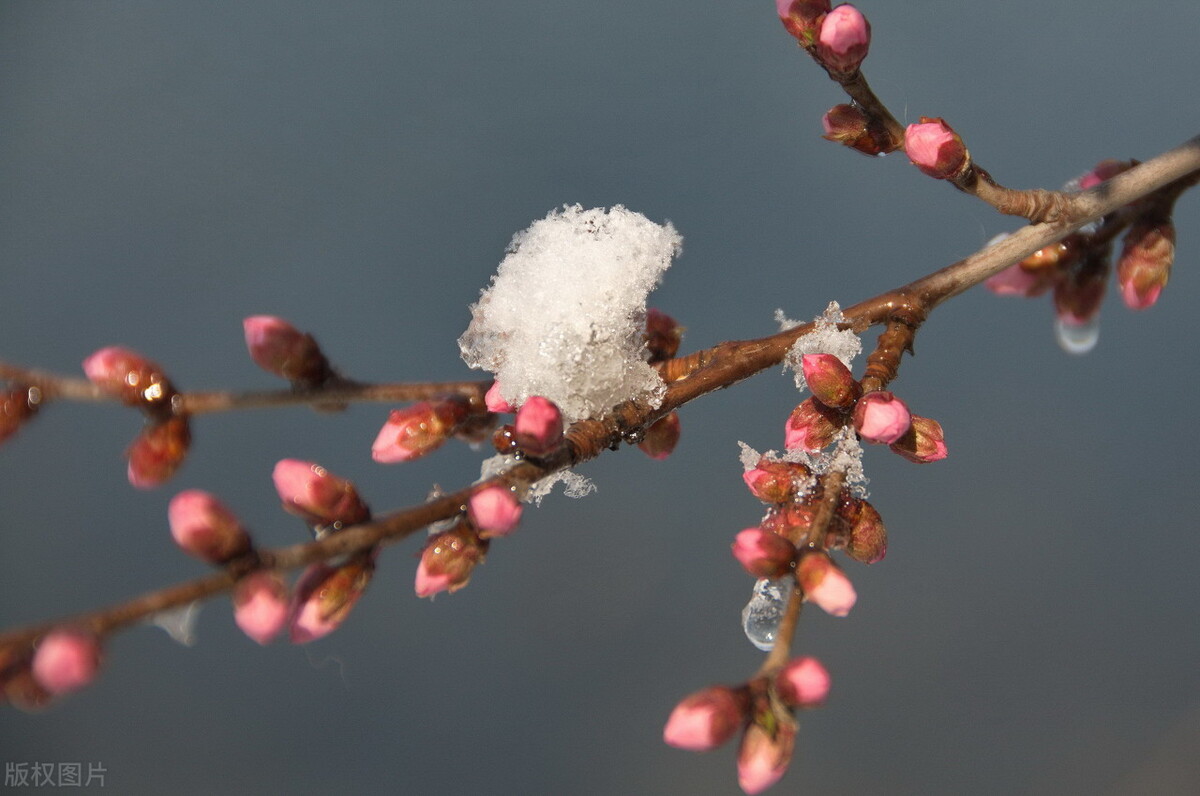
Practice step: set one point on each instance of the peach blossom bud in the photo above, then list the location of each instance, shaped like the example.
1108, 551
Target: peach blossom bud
157, 451
804, 682
923, 442
764, 755
448, 560
260, 605
867, 540
661, 437
844, 38
663, 335
802, 18
763, 554
495, 401
1104, 170
1079, 292
774, 482
706, 719
826, 585
935, 149
205, 528
283, 350
790, 520
416, 430
17, 405
129, 376
494, 510
1145, 263
811, 426
539, 426
19, 686
310, 491
881, 417
324, 596
66, 660
1017, 280
849, 126
830, 380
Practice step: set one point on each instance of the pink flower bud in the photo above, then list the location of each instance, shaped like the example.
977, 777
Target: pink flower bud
129, 376
826, 585
157, 451
448, 560
790, 520
539, 426
17, 405
881, 417
663, 335
321, 498
830, 381
764, 756
763, 554
1145, 263
283, 350
774, 482
324, 596
923, 442
811, 426
706, 719
804, 683
1079, 291
205, 528
66, 660
935, 149
1017, 280
414, 431
844, 38
849, 126
260, 605
495, 401
867, 538
1103, 171
661, 438
802, 18
494, 510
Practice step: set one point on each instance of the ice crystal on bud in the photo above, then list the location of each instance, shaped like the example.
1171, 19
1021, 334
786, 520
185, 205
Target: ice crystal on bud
564, 317
825, 338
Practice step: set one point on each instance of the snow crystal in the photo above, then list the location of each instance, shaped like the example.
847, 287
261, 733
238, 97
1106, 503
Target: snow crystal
564, 315
575, 485
825, 338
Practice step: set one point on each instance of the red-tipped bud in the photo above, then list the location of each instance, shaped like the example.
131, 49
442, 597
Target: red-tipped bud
764, 755
1145, 263
802, 18
774, 482
811, 426
923, 442
826, 585
706, 719
539, 426
849, 126
663, 335
803, 683
157, 451
881, 417
66, 660
844, 39
830, 381
128, 375
310, 491
205, 528
260, 605
935, 149
495, 511
495, 402
414, 431
283, 350
866, 540
448, 560
661, 437
790, 521
17, 405
763, 554
324, 596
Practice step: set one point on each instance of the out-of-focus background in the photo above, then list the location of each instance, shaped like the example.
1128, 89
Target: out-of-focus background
167, 168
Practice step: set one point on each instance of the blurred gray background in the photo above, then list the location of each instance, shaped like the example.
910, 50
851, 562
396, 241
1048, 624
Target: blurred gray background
167, 168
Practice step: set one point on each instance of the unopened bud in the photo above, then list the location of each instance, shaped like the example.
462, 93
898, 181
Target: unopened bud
802, 18
539, 426
324, 596
935, 149
310, 491
661, 437
849, 126
763, 554
825, 585
1103, 171
803, 682
283, 350
494, 400
494, 510
765, 753
663, 335
830, 381
774, 482
157, 451
448, 560
129, 376
414, 431
867, 538
923, 442
1017, 280
706, 719
66, 660
811, 426
881, 417
260, 605
205, 528
843, 40
17, 405
1145, 263
1079, 292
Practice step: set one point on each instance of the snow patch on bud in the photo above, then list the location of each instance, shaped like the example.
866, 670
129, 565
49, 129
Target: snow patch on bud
825, 338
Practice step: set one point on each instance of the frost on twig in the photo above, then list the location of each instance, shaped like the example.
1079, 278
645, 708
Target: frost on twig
825, 338
565, 313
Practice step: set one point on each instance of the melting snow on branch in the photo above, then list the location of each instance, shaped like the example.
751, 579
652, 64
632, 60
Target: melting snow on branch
825, 338
565, 313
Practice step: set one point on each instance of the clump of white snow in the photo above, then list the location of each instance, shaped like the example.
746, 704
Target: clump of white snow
564, 315
825, 338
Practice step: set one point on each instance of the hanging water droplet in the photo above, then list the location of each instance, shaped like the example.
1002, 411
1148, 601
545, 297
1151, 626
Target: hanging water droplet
1077, 338
179, 623
761, 616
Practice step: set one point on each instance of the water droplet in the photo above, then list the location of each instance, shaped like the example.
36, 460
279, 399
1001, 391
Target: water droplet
761, 616
179, 623
1077, 338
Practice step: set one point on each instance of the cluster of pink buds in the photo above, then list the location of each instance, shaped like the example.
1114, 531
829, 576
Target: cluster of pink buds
838, 38
281, 349
450, 556
158, 450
